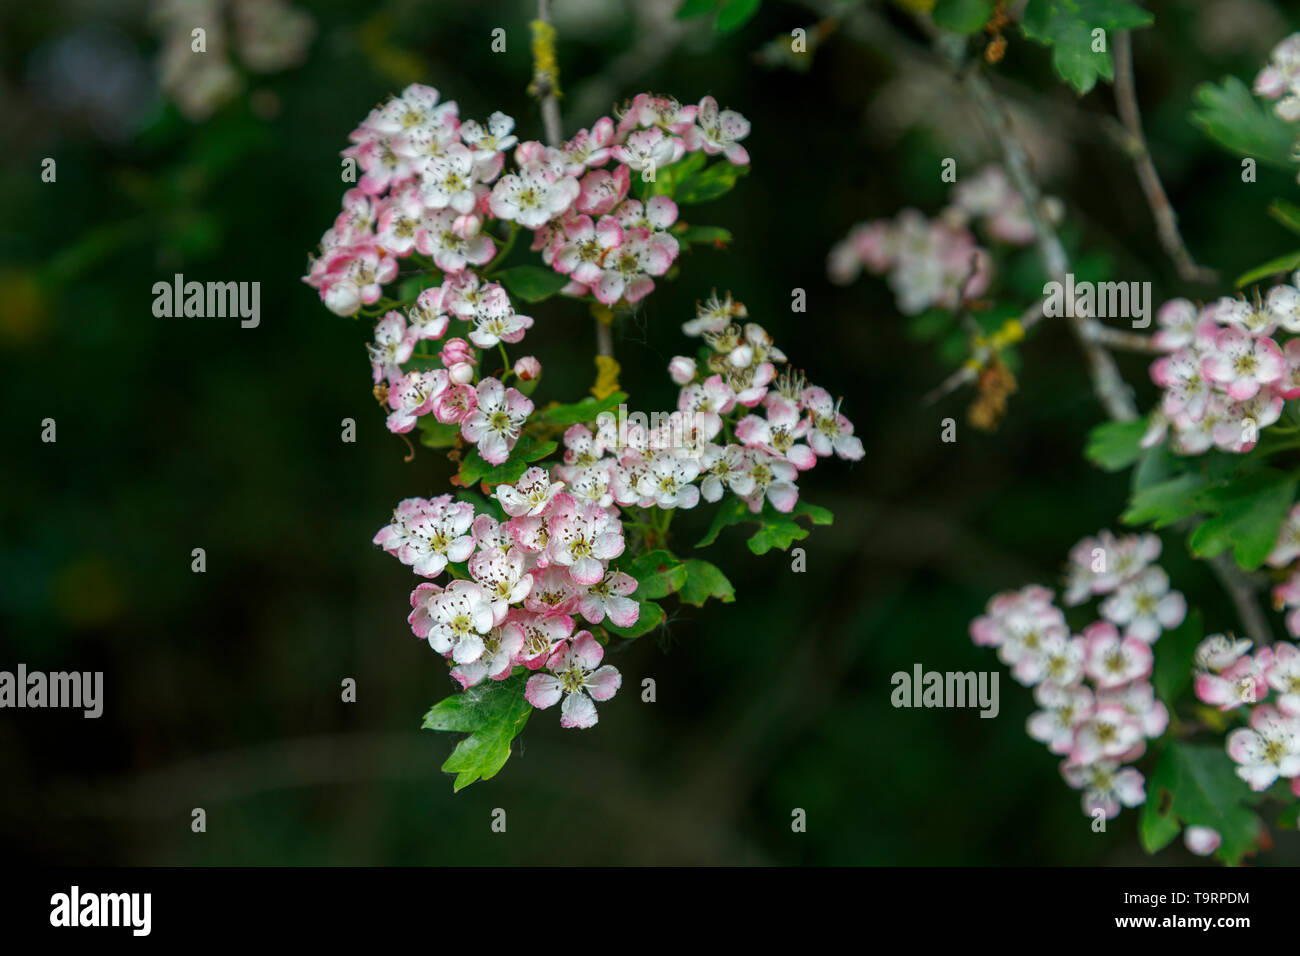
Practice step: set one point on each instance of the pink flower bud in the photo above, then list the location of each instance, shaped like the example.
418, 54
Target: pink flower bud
457, 352
528, 368
681, 369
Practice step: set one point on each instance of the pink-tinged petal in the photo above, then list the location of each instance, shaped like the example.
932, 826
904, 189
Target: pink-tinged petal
783, 496
586, 650
1258, 776
543, 690
578, 711
468, 649
623, 612
604, 683
587, 571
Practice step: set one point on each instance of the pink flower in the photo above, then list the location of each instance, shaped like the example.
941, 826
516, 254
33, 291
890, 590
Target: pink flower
454, 621
500, 647
1202, 841
496, 420
393, 345
1268, 749
1111, 661
1241, 364
719, 131
412, 396
1106, 787
1145, 606
576, 675
610, 596
583, 540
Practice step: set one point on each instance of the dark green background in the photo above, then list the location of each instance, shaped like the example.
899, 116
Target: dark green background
222, 689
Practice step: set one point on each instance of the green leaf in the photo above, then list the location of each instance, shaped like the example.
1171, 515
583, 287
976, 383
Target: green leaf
1113, 446
695, 8
1249, 513
708, 183
704, 581
434, 434
658, 574
492, 713
1231, 116
666, 179
473, 469
1172, 670
1166, 502
1287, 213
962, 16
1196, 785
1286, 263
583, 412
1067, 27
1289, 818
705, 235
731, 511
652, 615
735, 14
778, 531
775, 530
532, 283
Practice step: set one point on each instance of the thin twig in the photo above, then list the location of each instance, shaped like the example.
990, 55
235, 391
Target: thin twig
1107, 382
546, 74
1161, 210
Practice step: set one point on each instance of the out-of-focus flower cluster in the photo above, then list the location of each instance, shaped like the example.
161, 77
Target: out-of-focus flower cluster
932, 262
267, 36
1098, 707
1226, 376
1228, 676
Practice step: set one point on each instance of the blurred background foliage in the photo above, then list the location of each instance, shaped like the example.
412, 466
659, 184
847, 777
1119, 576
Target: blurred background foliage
223, 688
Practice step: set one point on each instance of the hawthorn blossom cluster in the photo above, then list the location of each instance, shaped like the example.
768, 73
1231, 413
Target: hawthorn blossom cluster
518, 586
1228, 676
436, 185
1225, 376
1098, 707
932, 262
739, 427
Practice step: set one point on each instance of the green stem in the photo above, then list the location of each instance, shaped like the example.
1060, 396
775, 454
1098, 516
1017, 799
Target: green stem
504, 250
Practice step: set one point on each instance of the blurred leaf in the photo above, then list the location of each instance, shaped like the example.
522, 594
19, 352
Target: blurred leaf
1287, 213
492, 713
532, 283
1196, 785
709, 183
735, 14
1066, 26
962, 16
1232, 117
704, 581
695, 8
1249, 513
1165, 503
701, 235
1286, 263
1172, 670
1290, 817
1113, 446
